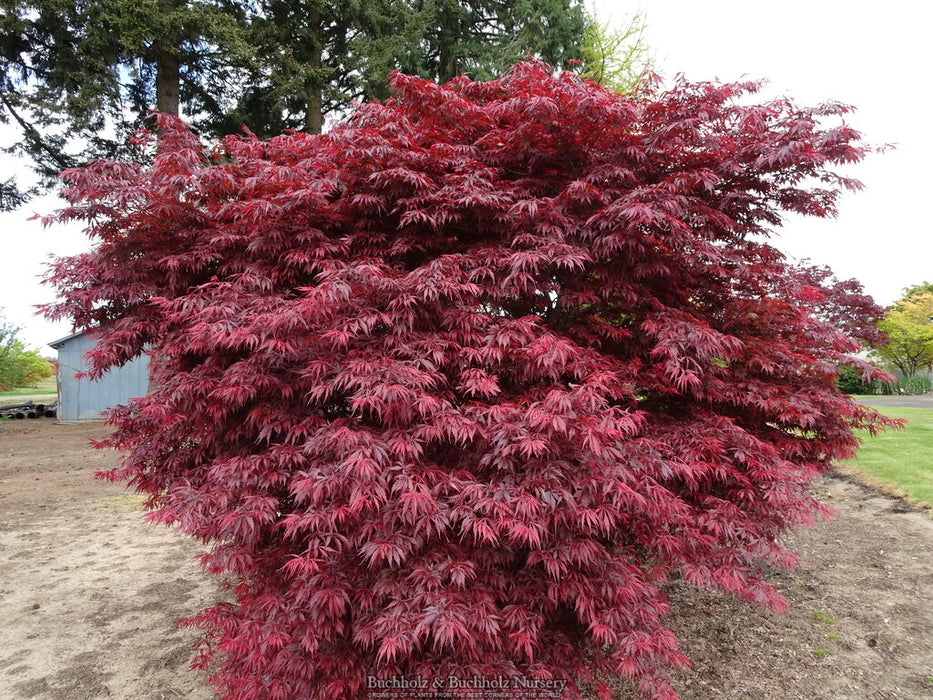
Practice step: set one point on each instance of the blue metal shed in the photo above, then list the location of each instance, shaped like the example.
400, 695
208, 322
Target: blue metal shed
85, 400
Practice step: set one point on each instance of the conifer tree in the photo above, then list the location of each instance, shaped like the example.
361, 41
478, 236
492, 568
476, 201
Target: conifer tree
78, 78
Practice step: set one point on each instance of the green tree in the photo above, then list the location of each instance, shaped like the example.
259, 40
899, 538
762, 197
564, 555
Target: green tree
79, 76
315, 58
19, 366
914, 290
614, 56
483, 38
909, 327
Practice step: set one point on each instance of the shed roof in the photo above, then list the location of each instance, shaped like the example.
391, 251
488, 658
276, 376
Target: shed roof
61, 341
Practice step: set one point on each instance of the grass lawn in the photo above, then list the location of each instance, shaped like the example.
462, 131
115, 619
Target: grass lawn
899, 461
43, 388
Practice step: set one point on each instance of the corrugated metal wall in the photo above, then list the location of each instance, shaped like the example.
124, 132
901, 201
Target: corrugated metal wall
84, 400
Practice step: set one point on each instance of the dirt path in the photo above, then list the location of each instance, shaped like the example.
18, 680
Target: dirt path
89, 594
860, 625
923, 401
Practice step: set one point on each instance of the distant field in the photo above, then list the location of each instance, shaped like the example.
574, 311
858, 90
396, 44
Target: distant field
899, 461
44, 388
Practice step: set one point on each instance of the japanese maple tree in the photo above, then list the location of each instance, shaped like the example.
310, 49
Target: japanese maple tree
454, 388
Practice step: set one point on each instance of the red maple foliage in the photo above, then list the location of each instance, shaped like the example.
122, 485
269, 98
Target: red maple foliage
456, 387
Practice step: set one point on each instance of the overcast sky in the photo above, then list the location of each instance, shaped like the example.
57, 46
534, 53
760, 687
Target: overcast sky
819, 50
813, 51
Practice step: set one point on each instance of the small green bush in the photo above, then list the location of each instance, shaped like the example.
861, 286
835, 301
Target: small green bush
849, 380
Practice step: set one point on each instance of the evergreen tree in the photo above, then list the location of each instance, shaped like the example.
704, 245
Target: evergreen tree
314, 57
482, 38
78, 78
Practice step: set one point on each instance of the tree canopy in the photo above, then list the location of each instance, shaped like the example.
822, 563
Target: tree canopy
914, 290
615, 56
908, 325
19, 366
454, 388
79, 78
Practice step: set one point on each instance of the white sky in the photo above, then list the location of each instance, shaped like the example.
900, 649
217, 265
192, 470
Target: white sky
816, 50
878, 59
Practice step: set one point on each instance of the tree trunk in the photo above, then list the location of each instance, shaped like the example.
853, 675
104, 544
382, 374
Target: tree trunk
314, 118
448, 62
168, 66
168, 78
907, 365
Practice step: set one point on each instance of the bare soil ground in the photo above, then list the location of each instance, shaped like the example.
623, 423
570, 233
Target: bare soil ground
89, 594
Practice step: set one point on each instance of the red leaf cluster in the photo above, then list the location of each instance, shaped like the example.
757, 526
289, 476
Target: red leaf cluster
456, 387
